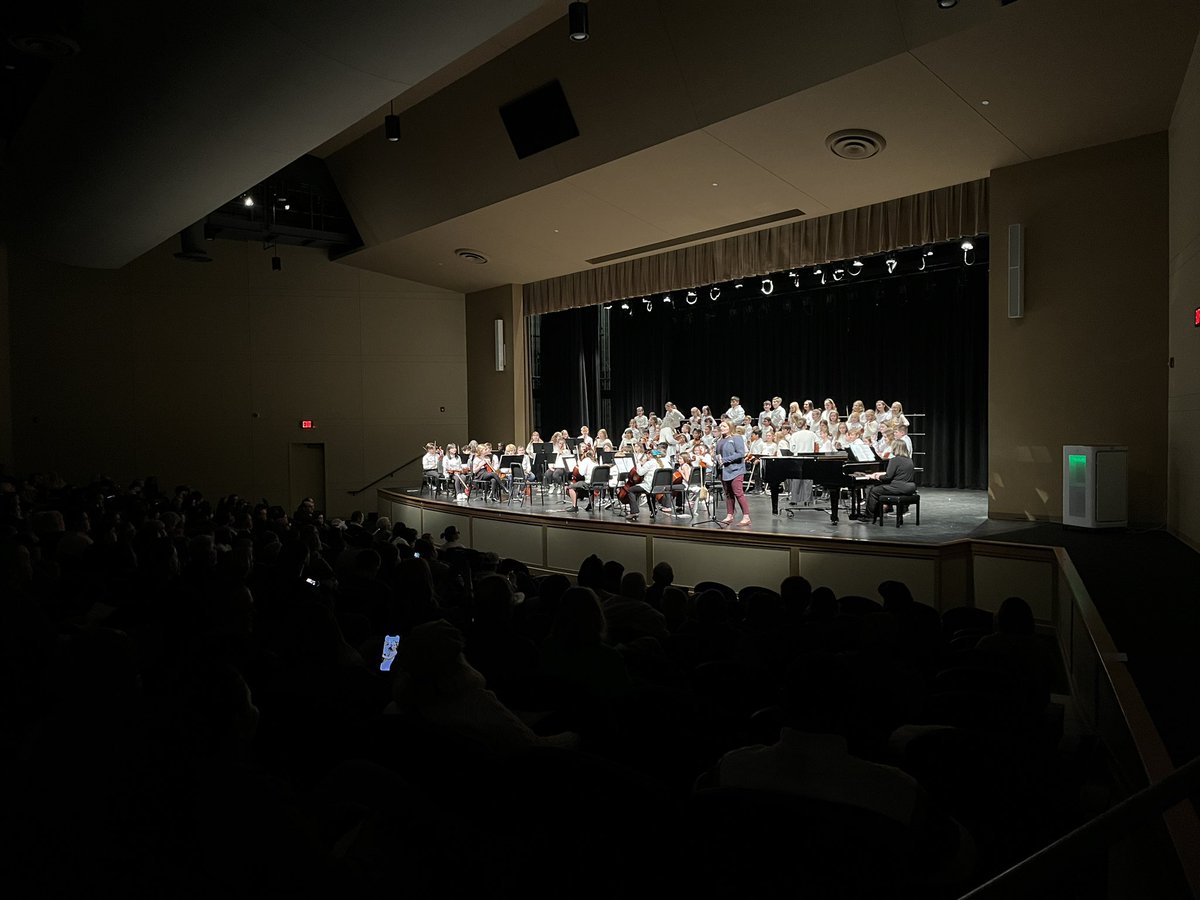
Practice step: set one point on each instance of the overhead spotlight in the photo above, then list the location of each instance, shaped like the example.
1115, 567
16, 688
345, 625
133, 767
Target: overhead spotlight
738, 285
624, 306
795, 280
839, 274
768, 287
891, 264
714, 292
820, 272
924, 256
649, 303
856, 267
608, 306
391, 124
692, 298
577, 22
968, 250
666, 298
247, 200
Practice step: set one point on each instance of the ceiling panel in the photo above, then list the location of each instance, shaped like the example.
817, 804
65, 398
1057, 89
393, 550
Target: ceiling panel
1072, 73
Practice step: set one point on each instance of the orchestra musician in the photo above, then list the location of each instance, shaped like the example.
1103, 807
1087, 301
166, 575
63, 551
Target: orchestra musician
483, 469
556, 473
731, 450
431, 464
897, 479
454, 468
640, 421
648, 464
583, 469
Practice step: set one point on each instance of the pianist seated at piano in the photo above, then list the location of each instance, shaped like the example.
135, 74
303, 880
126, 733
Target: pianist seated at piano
898, 478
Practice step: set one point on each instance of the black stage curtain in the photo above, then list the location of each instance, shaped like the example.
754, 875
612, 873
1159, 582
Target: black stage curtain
569, 388
920, 339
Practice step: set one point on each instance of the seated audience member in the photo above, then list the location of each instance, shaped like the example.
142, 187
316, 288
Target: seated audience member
434, 682
493, 645
812, 760
629, 616
575, 653
1015, 648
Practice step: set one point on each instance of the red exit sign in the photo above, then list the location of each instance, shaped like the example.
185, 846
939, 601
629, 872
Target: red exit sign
307, 424
1196, 321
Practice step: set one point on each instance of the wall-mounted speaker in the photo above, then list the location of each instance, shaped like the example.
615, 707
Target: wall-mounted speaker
500, 360
1016, 274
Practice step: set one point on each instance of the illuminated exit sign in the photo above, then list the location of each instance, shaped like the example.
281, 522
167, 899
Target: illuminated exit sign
307, 424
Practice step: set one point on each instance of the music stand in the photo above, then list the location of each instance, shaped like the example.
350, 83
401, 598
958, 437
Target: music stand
712, 515
541, 464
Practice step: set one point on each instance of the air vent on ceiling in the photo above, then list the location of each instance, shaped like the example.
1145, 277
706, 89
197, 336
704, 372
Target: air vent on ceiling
855, 143
473, 256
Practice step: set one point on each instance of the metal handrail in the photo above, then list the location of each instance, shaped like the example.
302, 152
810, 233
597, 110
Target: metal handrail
1095, 835
387, 475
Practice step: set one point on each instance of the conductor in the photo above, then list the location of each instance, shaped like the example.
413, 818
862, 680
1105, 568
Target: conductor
731, 451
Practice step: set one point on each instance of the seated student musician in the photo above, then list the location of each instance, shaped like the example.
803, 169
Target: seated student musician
530, 449
648, 464
580, 474
456, 470
483, 469
899, 478
431, 463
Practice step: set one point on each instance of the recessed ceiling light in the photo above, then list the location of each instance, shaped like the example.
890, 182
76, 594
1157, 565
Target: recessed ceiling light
715, 184
986, 102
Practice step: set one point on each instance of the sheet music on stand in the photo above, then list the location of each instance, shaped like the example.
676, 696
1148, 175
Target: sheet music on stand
862, 452
624, 464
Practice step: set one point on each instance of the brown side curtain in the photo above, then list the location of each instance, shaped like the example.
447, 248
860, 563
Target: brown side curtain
927, 218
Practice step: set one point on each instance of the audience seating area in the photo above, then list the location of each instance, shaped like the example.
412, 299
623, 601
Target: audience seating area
194, 703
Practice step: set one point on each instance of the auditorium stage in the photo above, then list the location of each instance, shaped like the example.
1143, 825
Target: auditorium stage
946, 515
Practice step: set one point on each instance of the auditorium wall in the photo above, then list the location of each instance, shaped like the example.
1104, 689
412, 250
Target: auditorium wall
497, 399
201, 373
6, 431
1184, 336
1087, 364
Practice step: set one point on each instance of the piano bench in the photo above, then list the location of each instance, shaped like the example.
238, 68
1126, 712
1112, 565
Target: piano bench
900, 501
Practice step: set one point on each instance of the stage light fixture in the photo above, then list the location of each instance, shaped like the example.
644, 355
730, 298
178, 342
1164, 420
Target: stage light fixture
247, 200
714, 292
391, 124
649, 304
947, 4
692, 298
891, 264
968, 250
624, 306
768, 287
738, 285
577, 22
924, 256
839, 274
856, 267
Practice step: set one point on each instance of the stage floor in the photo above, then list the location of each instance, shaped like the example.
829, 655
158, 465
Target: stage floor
946, 515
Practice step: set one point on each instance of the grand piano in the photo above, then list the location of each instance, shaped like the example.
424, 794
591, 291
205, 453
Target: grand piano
833, 471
